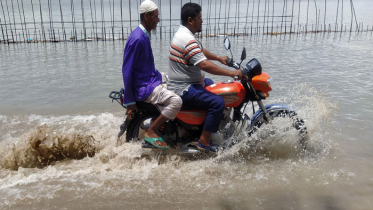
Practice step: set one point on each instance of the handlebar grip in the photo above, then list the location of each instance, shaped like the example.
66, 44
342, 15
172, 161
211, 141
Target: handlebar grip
245, 71
229, 62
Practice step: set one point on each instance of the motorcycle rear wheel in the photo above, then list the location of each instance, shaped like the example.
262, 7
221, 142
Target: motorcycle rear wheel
138, 126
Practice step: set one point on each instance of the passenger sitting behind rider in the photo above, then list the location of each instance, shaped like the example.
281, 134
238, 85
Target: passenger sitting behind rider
187, 59
142, 82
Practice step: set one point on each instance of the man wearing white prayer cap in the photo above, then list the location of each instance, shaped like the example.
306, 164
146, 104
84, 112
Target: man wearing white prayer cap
147, 6
142, 82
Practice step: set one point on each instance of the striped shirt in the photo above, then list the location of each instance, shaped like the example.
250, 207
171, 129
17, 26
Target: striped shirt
185, 54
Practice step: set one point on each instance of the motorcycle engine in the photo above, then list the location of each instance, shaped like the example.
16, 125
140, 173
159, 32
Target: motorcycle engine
227, 126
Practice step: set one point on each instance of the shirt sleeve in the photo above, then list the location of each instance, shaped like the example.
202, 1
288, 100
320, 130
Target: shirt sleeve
131, 54
193, 53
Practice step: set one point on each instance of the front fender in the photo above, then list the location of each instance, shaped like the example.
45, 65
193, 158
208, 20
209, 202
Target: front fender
270, 109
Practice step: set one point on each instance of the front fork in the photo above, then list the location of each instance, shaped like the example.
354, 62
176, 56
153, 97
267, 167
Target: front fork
260, 103
265, 116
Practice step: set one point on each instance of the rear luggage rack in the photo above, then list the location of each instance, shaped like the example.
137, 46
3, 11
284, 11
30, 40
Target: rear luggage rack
117, 96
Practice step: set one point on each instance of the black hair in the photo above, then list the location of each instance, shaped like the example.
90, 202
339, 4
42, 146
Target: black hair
189, 10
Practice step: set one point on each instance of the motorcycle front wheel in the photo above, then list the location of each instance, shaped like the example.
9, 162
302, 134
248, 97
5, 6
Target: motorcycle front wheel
281, 124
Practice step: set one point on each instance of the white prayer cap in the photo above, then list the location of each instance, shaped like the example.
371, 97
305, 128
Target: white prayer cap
147, 6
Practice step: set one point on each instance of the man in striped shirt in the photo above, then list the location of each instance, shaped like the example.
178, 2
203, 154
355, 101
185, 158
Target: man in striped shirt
187, 59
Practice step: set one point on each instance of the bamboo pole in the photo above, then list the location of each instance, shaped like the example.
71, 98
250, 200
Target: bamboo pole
2, 30
62, 21
33, 16
292, 16
342, 17
252, 17
282, 17
93, 25
121, 17
41, 22
83, 18
336, 18
308, 6
129, 8
24, 20
6, 28
94, 4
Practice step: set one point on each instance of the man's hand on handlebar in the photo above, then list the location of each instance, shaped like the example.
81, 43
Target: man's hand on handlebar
131, 108
222, 59
240, 75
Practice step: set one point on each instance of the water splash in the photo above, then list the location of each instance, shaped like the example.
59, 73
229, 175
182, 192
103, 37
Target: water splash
41, 147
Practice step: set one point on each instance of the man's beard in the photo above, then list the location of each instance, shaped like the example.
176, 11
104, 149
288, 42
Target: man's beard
154, 31
199, 30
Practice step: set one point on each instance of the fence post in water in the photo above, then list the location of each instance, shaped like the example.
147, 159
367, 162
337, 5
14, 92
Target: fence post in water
342, 17
84, 29
96, 34
170, 21
129, 2
2, 30
282, 17
50, 18
121, 17
292, 15
24, 19
93, 25
9, 21
325, 16
257, 20
336, 17
6, 28
252, 17
14, 21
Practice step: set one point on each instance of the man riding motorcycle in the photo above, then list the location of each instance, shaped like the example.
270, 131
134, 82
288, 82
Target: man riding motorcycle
142, 82
187, 59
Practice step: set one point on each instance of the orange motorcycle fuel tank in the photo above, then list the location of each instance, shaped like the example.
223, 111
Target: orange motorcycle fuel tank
232, 92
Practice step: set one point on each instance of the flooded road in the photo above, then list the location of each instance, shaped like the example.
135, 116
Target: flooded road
57, 95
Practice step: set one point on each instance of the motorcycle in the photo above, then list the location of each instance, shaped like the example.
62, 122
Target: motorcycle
184, 132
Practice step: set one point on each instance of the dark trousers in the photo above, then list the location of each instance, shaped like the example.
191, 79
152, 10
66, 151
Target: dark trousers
197, 97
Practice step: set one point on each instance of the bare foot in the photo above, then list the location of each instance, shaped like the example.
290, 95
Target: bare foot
151, 134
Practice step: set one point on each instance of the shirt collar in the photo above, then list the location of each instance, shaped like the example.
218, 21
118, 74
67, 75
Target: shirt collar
144, 30
186, 29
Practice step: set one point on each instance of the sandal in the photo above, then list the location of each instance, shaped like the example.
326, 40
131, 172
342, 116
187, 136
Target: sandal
157, 142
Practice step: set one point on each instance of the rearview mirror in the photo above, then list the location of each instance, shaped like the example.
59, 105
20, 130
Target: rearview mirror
227, 43
243, 55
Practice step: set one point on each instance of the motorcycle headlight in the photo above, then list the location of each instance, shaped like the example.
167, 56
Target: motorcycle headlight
269, 82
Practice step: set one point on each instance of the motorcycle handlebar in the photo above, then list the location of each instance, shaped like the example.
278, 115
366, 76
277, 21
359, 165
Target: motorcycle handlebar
233, 64
236, 65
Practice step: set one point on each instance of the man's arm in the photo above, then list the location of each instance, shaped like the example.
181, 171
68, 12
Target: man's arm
130, 56
212, 68
211, 56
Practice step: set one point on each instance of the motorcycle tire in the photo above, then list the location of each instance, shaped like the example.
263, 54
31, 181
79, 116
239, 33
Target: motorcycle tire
297, 123
138, 126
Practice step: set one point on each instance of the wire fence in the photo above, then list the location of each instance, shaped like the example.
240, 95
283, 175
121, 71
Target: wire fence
95, 20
